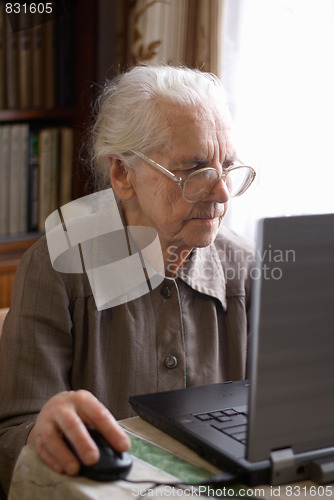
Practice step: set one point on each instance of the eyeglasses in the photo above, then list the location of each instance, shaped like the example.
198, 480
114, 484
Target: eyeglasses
198, 185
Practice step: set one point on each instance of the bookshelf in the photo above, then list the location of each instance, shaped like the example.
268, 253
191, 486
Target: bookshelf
75, 116
13, 115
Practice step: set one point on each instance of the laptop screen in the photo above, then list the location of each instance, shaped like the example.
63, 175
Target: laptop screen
291, 375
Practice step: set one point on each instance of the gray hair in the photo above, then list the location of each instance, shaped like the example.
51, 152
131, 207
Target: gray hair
130, 115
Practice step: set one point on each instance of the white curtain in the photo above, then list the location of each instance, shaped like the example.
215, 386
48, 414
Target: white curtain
278, 68
176, 32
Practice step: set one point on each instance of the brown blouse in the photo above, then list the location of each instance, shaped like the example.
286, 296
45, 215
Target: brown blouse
188, 331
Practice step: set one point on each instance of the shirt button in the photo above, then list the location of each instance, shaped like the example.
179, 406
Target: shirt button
171, 362
166, 292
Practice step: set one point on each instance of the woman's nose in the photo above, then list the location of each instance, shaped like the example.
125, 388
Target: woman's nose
219, 192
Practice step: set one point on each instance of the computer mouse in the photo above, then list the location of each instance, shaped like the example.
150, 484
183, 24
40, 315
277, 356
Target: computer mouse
112, 464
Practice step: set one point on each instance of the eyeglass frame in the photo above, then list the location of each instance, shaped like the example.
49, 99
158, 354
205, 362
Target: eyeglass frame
181, 181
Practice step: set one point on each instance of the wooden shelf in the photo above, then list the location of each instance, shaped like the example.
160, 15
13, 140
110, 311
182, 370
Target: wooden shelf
23, 241
9, 115
13, 247
11, 251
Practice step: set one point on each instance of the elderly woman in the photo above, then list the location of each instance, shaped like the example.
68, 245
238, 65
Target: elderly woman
162, 138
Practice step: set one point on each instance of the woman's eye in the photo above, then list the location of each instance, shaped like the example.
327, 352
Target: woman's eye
183, 172
196, 166
227, 165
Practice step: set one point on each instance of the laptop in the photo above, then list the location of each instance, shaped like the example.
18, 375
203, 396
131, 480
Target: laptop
278, 426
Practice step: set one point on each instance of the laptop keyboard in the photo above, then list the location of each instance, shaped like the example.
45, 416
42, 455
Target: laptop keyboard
230, 421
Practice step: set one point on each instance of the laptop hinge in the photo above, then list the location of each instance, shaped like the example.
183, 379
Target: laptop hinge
283, 462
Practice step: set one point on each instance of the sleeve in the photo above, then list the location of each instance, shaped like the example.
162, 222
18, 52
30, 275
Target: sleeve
35, 352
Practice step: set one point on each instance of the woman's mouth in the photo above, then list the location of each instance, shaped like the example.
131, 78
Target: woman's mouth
209, 217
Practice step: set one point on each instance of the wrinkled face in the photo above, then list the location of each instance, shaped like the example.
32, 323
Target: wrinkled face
198, 138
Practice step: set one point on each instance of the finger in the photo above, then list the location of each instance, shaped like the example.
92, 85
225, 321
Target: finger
93, 412
57, 458
98, 416
76, 433
113, 432
49, 460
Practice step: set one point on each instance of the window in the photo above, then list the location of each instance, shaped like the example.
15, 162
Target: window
278, 69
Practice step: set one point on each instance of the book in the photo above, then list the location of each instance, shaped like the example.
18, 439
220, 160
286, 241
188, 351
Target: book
33, 174
38, 66
44, 176
48, 165
11, 67
49, 60
3, 82
25, 67
54, 170
13, 179
4, 177
65, 165
23, 178
17, 179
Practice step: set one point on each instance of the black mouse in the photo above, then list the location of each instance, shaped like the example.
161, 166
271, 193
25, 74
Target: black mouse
112, 464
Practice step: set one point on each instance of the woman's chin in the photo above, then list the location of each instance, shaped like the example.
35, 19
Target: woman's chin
206, 232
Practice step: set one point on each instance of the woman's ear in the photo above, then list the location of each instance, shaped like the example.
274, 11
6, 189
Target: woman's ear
121, 178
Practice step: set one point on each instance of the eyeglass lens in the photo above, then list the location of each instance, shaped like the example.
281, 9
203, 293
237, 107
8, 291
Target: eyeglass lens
200, 184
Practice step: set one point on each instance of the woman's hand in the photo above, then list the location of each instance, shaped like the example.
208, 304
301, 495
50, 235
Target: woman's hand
66, 414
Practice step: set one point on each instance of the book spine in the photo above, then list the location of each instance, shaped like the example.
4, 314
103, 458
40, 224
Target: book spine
65, 165
14, 171
11, 67
23, 178
3, 80
33, 174
17, 183
25, 68
49, 60
38, 65
54, 170
45, 162
4, 178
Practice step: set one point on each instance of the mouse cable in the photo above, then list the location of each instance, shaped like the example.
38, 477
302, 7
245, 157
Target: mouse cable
223, 479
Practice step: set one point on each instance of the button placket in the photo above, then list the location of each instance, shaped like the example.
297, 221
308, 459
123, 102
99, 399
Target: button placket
170, 342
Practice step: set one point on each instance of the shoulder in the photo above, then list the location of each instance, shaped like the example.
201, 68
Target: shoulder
35, 270
35, 260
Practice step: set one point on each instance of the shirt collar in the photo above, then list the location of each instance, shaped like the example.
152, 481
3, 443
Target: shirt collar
204, 273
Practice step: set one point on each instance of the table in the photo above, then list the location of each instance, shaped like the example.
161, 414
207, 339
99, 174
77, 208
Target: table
32, 480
